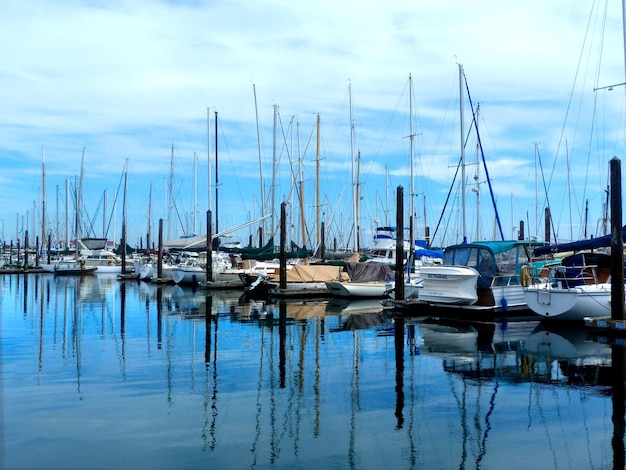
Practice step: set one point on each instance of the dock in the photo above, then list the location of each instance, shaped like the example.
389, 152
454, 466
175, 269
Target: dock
607, 324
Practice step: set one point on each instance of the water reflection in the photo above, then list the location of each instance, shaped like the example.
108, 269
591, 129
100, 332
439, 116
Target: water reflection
293, 384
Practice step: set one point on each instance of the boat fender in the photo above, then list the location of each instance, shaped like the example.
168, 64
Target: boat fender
505, 304
525, 276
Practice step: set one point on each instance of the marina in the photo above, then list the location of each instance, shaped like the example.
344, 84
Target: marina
103, 373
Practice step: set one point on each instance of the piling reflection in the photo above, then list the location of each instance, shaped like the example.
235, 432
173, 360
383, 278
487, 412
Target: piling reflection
288, 381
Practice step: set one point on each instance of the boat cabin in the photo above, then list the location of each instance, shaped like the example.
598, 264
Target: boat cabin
498, 262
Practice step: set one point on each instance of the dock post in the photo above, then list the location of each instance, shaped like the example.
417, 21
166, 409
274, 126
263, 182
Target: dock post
26, 249
283, 242
160, 254
399, 289
617, 242
209, 250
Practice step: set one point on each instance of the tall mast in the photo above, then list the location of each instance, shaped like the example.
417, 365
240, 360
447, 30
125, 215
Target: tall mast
171, 204
195, 192
124, 213
354, 181
79, 203
412, 183
317, 185
462, 126
273, 203
67, 213
43, 199
216, 181
301, 188
208, 152
258, 139
624, 32
148, 233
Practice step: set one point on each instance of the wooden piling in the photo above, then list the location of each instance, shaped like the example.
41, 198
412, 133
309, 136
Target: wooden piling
283, 242
399, 289
617, 242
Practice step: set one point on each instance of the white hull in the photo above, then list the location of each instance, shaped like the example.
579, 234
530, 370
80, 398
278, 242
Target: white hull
188, 275
357, 289
448, 285
575, 303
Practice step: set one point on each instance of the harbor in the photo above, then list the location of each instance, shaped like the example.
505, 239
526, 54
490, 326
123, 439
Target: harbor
103, 373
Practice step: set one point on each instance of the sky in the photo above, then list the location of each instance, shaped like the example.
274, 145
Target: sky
129, 91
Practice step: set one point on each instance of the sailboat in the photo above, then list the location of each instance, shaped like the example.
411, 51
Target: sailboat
580, 288
77, 265
481, 276
577, 288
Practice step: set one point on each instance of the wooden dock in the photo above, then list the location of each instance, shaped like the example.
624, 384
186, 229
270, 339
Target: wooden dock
607, 324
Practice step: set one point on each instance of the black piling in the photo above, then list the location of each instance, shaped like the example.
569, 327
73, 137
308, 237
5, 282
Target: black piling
160, 254
209, 251
283, 242
399, 283
617, 242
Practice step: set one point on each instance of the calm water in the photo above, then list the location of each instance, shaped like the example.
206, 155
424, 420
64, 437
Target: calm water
97, 373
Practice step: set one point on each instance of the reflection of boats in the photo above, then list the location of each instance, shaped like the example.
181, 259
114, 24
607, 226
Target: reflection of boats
348, 306
443, 337
567, 344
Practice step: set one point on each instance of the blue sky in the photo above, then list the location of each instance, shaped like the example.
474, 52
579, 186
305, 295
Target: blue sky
126, 81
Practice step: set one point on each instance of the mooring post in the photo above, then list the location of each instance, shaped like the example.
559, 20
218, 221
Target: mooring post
399, 289
617, 242
283, 242
209, 250
160, 254
26, 249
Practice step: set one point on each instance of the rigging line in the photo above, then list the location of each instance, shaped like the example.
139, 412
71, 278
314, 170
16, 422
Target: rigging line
224, 143
447, 198
119, 185
569, 103
545, 189
482, 154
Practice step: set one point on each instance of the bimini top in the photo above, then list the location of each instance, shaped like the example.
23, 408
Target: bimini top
490, 258
498, 246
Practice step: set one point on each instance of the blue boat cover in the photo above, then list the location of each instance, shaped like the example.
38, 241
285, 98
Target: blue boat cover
590, 244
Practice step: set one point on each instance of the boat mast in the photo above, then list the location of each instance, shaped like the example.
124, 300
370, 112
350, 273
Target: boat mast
462, 153
195, 192
43, 199
301, 189
216, 181
273, 201
258, 139
208, 154
354, 182
318, 233
169, 216
412, 182
148, 236
624, 32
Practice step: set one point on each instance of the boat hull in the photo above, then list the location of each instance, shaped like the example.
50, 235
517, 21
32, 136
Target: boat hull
576, 303
449, 285
357, 289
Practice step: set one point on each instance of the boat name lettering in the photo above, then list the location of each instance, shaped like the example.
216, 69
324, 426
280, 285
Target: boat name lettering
437, 276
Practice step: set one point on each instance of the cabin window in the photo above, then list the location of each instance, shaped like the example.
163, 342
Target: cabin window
506, 262
461, 257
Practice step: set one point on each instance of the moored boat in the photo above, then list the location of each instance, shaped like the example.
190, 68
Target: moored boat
578, 288
480, 276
